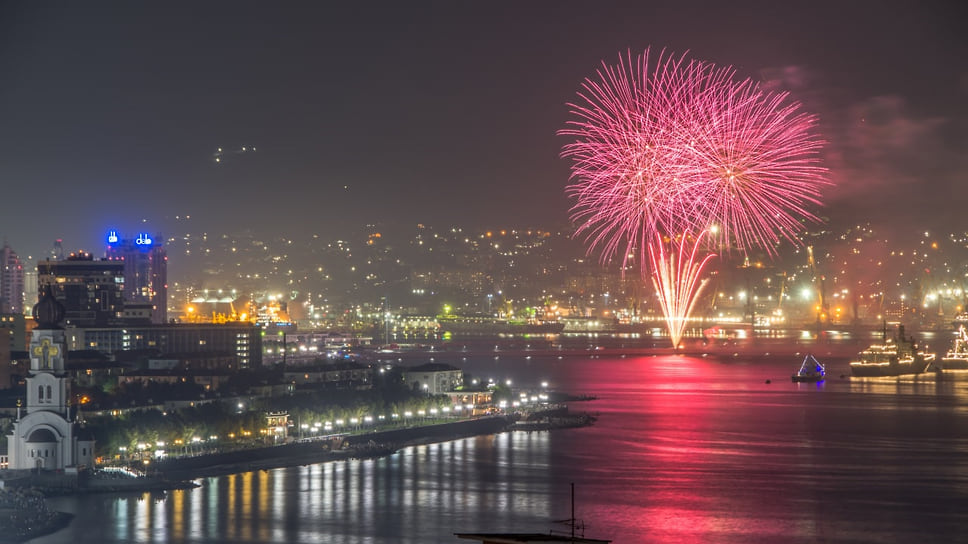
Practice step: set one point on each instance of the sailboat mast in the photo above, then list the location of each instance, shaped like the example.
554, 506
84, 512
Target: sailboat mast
572, 511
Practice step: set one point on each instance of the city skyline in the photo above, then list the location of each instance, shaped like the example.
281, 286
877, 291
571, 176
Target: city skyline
408, 239
327, 118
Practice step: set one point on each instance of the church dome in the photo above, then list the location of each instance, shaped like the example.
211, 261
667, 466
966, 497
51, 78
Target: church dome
42, 436
48, 312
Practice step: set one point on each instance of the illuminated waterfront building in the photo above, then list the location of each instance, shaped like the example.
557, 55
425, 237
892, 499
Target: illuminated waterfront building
145, 270
238, 342
434, 378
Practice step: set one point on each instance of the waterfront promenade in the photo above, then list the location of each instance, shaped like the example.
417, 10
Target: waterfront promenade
304, 452
28, 516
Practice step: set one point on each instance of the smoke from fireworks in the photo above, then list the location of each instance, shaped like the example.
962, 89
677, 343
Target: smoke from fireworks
677, 147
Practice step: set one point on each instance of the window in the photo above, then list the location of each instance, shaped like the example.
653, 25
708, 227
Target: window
40, 393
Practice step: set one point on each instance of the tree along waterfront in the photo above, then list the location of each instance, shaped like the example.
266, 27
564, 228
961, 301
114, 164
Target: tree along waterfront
140, 435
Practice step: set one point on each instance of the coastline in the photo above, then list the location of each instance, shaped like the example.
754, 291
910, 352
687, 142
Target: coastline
28, 520
364, 446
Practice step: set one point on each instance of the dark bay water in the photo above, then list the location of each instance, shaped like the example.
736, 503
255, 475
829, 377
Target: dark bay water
686, 449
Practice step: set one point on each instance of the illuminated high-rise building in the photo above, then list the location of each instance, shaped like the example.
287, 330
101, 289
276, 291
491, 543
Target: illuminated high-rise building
57, 250
11, 282
30, 288
90, 290
145, 271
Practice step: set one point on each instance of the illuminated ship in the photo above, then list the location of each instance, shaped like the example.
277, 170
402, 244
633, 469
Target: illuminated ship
957, 356
811, 370
897, 356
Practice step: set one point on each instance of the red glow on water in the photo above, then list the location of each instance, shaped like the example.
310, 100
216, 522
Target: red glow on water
708, 453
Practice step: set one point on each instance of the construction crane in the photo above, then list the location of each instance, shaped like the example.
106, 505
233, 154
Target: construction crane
818, 280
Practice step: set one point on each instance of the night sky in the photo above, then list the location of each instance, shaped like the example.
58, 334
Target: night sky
431, 112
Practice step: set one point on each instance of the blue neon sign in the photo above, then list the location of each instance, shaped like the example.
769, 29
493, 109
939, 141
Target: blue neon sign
113, 237
143, 239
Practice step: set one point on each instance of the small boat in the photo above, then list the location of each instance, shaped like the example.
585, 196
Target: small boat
811, 370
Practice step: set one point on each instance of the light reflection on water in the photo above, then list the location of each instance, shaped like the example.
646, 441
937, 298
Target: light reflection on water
686, 449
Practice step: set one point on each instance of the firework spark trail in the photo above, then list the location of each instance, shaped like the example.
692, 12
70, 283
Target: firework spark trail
677, 278
677, 146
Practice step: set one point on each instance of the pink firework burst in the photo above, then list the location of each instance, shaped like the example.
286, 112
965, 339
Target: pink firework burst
633, 173
755, 158
678, 146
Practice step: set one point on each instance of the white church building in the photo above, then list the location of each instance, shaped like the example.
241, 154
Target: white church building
44, 436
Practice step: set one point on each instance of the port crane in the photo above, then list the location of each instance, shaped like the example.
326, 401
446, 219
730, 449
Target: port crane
818, 280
